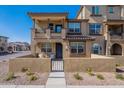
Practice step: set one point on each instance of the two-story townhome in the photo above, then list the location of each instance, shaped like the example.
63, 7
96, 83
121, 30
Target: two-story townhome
56, 36
3, 44
106, 24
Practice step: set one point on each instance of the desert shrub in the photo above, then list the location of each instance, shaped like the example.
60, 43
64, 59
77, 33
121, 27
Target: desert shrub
24, 69
33, 78
29, 73
10, 76
78, 77
99, 76
89, 71
118, 65
119, 76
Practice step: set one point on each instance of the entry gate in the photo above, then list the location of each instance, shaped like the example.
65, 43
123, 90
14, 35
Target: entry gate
57, 65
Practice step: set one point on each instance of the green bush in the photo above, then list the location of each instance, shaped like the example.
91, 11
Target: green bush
99, 76
89, 71
29, 73
78, 77
119, 76
33, 78
24, 69
91, 74
10, 76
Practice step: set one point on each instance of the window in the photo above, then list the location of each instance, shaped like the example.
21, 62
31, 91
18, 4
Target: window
46, 47
96, 49
111, 10
51, 26
77, 47
95, 28
74, 27
95, 10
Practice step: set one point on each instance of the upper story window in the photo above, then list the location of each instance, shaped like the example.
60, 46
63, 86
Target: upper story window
95, 10
77, 47
47, 48
111, 9
74, 27
95, 28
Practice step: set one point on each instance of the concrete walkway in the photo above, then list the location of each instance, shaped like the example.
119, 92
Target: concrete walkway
56, 80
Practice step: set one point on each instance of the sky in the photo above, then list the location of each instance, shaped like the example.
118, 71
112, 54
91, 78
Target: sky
16, 24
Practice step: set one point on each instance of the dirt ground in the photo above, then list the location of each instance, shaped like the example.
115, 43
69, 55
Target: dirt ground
109, 79
21, 78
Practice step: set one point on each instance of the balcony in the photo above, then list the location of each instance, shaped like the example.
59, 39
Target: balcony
48, 34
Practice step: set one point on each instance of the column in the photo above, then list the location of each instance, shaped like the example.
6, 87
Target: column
107, 40
88, 48
66, 49
122, 31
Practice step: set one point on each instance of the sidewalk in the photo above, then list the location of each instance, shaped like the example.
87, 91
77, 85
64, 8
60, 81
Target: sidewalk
56, 80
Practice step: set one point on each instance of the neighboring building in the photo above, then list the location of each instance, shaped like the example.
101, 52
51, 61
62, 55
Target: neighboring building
3, 44
106, 24
18, 46
96, 29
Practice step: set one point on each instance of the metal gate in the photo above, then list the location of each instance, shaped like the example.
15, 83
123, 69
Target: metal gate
57, 65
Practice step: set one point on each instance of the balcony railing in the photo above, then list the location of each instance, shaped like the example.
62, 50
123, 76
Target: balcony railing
47, 33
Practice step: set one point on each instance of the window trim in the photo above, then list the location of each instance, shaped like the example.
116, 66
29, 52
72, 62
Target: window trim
77, 47
109, 9
46, 47
74, 27
95, 10
95, 28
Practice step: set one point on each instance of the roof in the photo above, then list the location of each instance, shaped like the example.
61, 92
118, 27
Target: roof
47, 13
79, 11
79, 37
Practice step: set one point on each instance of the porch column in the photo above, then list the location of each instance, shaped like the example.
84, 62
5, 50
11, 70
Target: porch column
33, 48
66, 49
107, 40
88, 48
122, 31
48, 34
63, 34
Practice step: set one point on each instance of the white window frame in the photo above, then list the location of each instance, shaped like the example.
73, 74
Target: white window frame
76, 44
47, 46
95, 28
74, 27
97, 47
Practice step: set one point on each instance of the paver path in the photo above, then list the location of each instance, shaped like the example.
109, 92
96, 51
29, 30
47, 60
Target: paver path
56, 80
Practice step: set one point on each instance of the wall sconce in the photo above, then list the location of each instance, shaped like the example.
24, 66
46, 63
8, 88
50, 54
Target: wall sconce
66, 47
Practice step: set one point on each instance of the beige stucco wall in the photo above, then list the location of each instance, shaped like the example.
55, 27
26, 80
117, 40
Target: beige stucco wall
118, 13
81, 64
35, 64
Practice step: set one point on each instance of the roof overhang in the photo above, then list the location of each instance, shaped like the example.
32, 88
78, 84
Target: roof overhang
46, 16
119, 22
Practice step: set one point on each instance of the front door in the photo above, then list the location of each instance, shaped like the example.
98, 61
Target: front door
58, 50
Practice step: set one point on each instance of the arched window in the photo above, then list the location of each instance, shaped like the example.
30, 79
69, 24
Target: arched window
96, 48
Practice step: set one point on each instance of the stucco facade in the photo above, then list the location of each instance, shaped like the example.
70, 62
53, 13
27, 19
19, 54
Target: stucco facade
52, 28
96, 29
111, 18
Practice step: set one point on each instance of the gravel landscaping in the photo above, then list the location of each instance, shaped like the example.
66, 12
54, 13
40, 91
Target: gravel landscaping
21, 78
109, 79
